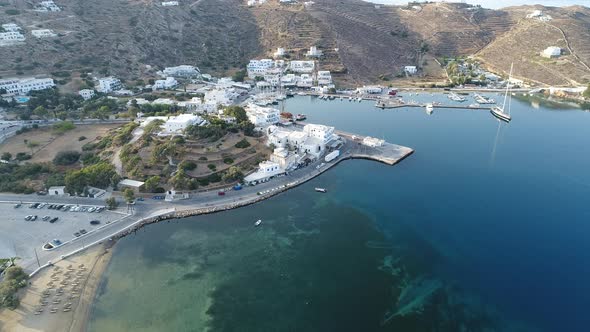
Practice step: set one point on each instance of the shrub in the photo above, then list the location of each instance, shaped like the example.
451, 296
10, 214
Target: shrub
228, 160
203, 158
22, 156
242, 144
63, 126
81, 138
66, 158
212, 167
187, 165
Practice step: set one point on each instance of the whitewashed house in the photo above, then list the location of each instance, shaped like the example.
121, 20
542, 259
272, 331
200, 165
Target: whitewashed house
56, 191
176, 125
551, 52
261, 67
193, 105
47, 6
305, 81
12, 34
285, 159
302, 66
369, 89
168, 83
86, 94
279, 53
262, 116
23, 86
324, 77
410, 70
185, 71
321, 132
109, 84
266, 170
220, 96
43, 33
169, 3
313, 52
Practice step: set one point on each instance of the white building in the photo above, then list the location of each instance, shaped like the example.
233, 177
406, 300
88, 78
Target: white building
266, 170
551, 52
109, 84
263, 67
279, 53
168, 83
220, 96
313, 52
47, 6
410, 70
321, 132
262, 116
369, 89
43, 33
373, 142
177, 124
285, 159
302, 66
193, 105
538, 15
86, 93
11, 35
56, 191
23, 86
169, 3
324, 77
181, 71
305, 81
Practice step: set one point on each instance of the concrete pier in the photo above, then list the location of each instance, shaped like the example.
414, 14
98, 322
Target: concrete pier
388, 153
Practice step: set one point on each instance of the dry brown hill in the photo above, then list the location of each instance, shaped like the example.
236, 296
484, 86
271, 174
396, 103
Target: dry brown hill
122, 36
569, 29
362, 42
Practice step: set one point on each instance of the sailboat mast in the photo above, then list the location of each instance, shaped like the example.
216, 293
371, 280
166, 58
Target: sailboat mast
507, 87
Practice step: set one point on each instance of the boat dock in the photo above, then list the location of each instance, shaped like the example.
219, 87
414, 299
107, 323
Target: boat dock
386, 153
385, 104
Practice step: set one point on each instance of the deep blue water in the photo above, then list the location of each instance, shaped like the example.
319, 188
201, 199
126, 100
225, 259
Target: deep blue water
506, 205
493, 217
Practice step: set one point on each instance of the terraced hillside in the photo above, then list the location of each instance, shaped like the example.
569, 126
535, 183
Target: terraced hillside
122, 36
569, 29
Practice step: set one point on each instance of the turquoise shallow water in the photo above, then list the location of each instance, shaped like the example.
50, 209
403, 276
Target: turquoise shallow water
484, 226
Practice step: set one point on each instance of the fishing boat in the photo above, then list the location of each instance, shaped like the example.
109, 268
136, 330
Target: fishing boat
429, 108
483, 100
500, 112
321, 190
475, 105
455, 97
258, 222
300, 117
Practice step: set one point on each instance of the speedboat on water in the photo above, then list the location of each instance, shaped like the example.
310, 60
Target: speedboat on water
258, 222
321, 190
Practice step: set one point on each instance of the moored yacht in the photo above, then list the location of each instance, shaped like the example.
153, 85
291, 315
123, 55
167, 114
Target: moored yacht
500, 112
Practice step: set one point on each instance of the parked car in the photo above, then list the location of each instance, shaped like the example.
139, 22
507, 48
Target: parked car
53, 220
27, 218
34, 218
17, 205
83, 231
94, 222
77, 234
221, 193
46, 218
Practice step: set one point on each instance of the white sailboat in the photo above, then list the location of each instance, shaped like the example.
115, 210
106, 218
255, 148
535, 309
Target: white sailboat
500, 112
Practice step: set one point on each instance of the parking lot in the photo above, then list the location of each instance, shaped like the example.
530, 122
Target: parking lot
19, 236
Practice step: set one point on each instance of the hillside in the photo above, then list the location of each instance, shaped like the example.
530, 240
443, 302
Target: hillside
362, 42
523, 43
120, 37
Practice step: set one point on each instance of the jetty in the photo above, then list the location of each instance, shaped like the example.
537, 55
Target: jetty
385, 104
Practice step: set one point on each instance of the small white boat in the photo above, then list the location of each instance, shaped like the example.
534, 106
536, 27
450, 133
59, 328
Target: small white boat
429, 108
321, 190
258, 222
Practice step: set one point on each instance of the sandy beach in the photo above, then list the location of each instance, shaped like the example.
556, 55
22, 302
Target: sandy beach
70, 284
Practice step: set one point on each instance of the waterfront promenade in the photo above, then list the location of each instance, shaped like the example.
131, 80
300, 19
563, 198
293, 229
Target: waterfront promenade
150, 211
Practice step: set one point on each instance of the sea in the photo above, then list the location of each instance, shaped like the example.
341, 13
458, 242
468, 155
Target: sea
485, 227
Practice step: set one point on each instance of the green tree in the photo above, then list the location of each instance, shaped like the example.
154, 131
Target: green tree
111, 203
237, 112
152, 183
6, 156
41, 112
239, 76
234, 173
129, 195
586, 93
